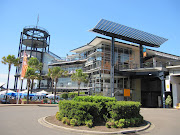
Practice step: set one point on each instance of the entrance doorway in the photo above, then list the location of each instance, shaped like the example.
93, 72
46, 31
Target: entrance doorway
150, 90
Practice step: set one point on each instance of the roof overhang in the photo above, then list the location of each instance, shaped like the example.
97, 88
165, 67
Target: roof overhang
123, 32
68, 63
98, 40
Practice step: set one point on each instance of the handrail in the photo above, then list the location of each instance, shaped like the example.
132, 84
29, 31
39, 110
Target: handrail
56, 56
36, 27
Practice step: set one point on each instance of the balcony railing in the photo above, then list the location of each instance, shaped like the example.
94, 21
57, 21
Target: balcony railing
136, 66
173, 63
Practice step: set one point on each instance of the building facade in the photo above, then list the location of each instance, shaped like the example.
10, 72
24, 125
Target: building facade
126, 71
144, 84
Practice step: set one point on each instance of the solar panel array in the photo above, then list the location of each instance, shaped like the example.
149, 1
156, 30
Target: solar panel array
123, 32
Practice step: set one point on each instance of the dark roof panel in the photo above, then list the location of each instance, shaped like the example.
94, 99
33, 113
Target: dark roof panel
123, 32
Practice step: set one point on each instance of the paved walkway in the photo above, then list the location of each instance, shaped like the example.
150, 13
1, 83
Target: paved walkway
19, 120
165, 121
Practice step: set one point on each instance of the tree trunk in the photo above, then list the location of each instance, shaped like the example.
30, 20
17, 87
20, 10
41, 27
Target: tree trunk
39, 84
55, 91
52, 85
79, 83
8, 77
28, 92
8, 82
32, 83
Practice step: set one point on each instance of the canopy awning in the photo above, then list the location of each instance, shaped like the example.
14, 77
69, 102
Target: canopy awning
123, 32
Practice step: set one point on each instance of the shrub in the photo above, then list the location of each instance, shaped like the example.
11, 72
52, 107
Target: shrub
132, 122
64, 120
113, 124
138, 120
121, 123
100, 100
67, 122
95, 99
168, 100
97, 108
82, 93
108, 124
73, 122
116, 124
123, 109
89, 123
64, 95
127, 122
81, 111
58, 117
72, 95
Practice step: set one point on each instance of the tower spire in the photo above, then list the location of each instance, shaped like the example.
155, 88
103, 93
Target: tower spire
37, 20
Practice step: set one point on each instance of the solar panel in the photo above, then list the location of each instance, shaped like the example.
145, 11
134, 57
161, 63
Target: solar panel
123, 32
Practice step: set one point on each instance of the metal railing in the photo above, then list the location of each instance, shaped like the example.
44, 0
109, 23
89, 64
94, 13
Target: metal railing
136, 66
56, 56
173, 63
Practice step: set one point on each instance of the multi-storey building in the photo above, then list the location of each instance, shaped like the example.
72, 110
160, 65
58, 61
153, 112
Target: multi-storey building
121, 69
94, 59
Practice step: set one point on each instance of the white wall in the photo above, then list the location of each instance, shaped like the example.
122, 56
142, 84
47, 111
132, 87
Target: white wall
175, 81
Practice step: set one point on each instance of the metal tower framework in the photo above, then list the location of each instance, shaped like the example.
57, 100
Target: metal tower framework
34, 40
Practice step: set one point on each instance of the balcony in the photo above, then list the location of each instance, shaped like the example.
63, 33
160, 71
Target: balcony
148, 66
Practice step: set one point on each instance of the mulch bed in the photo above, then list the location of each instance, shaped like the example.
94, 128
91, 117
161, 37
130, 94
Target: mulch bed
99, 127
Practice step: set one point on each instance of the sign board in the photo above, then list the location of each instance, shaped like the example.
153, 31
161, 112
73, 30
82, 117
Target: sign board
167, 82
127, 92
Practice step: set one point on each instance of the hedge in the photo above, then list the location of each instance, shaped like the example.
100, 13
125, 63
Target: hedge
99, 108
101, 103
95, 99
81, 111
123, 109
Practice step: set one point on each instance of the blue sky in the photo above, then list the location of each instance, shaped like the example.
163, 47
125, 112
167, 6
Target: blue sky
68, 22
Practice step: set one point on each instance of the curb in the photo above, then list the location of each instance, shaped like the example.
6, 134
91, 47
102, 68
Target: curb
43, 122
46, 105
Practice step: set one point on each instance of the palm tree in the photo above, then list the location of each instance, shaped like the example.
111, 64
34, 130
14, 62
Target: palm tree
54, 74
79, 77
50, 75
10, 60
30, 76
34, 63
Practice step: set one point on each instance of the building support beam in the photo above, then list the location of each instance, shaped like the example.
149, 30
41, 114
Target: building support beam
141, 55
112, 67
32, 44
162, 78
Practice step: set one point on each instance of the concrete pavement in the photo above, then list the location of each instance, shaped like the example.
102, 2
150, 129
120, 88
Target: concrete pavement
17, 120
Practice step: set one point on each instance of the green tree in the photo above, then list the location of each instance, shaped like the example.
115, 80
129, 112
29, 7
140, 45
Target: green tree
79, 77
10, 60
30, 75
35, 64
50, 75
55, 73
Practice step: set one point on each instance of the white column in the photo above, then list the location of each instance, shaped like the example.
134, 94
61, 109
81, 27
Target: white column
154, 62
175, 94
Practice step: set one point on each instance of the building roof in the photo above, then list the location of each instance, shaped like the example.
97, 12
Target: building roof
126, 33
67, 62
97, 40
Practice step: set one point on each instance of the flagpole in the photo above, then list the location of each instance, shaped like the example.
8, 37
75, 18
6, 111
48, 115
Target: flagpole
19, 90
37, 20
23, 72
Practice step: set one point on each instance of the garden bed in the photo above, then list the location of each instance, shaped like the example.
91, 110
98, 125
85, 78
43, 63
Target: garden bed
97, 126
